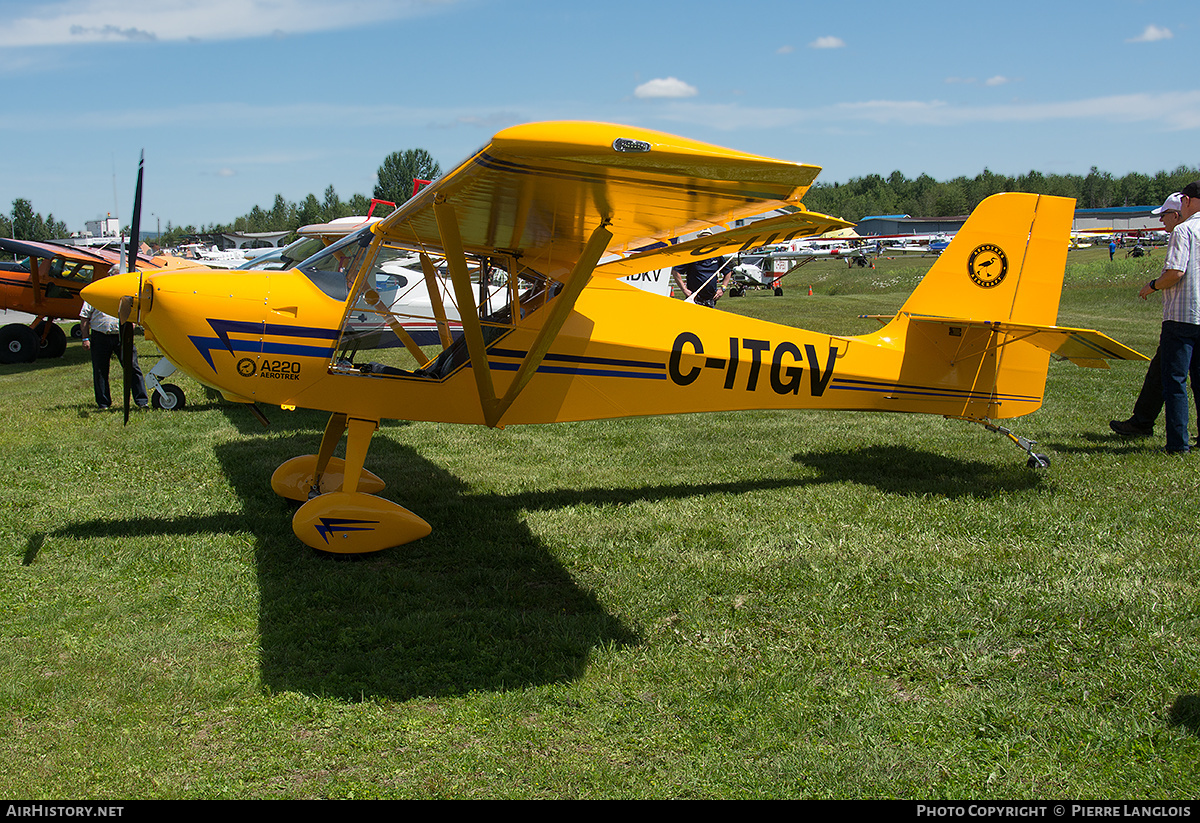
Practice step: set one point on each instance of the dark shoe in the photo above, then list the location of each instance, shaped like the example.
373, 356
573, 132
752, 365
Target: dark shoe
1127, 428
1176, 452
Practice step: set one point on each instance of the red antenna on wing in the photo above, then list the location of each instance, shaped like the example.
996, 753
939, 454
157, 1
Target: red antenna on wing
377, 202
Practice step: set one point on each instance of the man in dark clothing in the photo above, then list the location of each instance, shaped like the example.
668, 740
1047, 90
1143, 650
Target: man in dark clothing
1149, 402
700, 279
102, 337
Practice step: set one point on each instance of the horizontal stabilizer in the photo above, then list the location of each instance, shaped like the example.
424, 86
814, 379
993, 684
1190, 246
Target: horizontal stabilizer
1083, 347
759, 233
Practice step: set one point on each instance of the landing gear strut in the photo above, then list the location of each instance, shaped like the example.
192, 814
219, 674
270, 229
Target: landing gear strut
340, 512
1035, 460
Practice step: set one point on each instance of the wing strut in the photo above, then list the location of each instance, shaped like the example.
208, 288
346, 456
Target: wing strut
372, 298
460, 278
562, 306
435, 300
493, 407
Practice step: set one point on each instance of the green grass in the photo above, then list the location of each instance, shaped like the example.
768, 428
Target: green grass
747, 605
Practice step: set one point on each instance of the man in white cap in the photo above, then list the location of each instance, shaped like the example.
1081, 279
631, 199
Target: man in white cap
1180, 285
700, 278
1149, 403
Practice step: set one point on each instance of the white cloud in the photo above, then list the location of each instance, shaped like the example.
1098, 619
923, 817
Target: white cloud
1150, 34
828, 43
785, 50
997, 80
60, 22
665, 87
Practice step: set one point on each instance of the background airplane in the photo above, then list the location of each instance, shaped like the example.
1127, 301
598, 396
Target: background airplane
45, 281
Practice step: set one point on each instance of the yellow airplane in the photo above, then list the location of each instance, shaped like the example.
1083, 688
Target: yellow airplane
535, 231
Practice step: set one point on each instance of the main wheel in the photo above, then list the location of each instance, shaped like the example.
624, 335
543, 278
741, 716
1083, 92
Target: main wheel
55, 342
18, 344
169, 398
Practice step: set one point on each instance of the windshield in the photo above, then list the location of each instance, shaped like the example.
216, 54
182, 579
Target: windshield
333, 268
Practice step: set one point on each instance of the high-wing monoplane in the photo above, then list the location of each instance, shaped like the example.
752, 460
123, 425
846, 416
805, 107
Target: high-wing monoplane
46, 283
550, 334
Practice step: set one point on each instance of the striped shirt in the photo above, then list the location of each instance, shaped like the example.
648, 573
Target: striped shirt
98, 321
1181, 302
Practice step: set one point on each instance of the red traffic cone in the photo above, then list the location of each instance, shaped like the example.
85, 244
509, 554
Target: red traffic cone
810, 291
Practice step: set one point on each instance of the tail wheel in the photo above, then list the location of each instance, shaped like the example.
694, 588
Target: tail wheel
169, 397
18, 344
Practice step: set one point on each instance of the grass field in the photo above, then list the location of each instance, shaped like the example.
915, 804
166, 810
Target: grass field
752, 605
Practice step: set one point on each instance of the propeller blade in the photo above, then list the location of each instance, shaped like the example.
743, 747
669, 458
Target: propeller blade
125, 308
135, 226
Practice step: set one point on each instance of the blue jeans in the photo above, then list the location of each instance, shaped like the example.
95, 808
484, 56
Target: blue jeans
1149, 403
1175, 351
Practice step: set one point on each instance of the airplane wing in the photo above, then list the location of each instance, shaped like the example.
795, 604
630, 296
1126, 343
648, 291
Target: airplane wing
1083, 347
30, 248
556, 198
755, 235
538, 192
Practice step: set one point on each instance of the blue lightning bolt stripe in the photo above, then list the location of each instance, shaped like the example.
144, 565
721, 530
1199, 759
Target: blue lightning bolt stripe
224, 328
332, 525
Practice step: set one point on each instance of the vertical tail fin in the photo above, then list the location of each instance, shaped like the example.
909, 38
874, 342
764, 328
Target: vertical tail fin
1003, 268
1005, 264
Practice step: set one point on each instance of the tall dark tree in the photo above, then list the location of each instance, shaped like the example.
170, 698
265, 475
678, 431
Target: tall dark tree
331, 206
400, 169
309, 211
26, 224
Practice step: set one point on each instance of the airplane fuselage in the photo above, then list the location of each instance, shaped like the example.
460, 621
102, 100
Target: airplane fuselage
272, 338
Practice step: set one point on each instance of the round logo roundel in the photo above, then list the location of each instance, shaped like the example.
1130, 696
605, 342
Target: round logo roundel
246, 367
987, 265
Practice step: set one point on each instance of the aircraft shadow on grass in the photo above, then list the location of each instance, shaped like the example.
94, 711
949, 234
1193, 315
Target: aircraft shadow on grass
1185, 713
901, 470
481, 603
1105, 443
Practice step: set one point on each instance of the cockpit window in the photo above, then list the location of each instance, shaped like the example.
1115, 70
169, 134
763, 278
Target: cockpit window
333, 268
405, 314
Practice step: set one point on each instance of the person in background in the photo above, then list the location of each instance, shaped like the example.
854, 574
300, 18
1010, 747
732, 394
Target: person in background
102, 337
1180, 285
1149, 403
700, 278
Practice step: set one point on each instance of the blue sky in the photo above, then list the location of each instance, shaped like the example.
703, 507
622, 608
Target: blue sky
235, 101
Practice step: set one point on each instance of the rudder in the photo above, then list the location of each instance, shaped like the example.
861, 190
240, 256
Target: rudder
1005, 264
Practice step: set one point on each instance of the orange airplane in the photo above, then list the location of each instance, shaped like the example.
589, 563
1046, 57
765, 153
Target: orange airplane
47, 284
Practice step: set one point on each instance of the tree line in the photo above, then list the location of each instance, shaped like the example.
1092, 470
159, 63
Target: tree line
394, 183
853, 200
925, 197
26, 224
